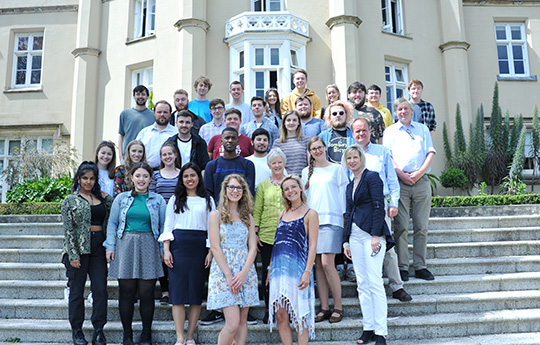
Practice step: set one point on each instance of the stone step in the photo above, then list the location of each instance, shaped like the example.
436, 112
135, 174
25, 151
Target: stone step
421, 305
31, 255
32, 229
32, 241
446, 223
480, 249
400, 327
481, 235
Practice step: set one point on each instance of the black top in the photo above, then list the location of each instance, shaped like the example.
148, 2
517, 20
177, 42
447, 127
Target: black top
98, 214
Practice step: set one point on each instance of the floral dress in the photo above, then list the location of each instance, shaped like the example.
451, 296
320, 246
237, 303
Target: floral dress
233, 241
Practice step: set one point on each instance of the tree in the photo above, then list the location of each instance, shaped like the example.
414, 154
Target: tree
495, 167
535, 147
447, 148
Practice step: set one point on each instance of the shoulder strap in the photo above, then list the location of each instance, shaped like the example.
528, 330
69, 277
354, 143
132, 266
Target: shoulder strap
305, 214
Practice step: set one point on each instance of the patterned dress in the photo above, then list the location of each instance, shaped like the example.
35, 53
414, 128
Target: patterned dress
289, 258
233, 241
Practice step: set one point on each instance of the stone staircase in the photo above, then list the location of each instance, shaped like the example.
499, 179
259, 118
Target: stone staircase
486, 290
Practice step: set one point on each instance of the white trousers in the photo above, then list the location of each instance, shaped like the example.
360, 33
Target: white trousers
369, 280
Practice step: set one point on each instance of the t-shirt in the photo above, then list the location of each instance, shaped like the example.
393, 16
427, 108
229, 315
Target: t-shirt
185, 150
201, 108
296, 152
105, 182
245, 109
262, 171
162, 185
244, 147
337, 146
131, 123
313, 127
138, 216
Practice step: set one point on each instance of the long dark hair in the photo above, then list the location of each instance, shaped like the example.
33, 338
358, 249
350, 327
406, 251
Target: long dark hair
180, 193
83, 168
140, 165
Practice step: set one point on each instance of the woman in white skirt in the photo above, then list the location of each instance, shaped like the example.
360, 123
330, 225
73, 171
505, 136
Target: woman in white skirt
136, 220
325, 184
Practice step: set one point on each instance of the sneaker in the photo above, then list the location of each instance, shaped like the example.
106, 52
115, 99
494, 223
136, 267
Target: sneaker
90, 299
251, 320
213, 317
341, 272
351, 276
66, 294
164, 300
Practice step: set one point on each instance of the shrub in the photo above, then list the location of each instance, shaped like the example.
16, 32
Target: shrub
31, 208
454, 178
485, 200
45, 189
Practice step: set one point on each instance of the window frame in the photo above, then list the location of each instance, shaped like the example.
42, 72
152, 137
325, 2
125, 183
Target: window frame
509, 43
267, 5
394, 84
30, 53
147, 80
388, 16
144, 25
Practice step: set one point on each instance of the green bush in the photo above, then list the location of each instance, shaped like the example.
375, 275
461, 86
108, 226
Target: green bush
45, 189
484, 200
31, 208
454, 178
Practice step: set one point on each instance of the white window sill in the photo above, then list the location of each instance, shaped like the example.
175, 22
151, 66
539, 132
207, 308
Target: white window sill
140, 39
407, 36
516, 78
24, 90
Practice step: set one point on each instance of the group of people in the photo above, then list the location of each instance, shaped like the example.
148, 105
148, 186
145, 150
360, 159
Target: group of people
310, 188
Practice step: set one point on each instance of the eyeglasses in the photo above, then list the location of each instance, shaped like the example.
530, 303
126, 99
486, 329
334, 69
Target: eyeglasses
220, 108
410, 133
232, 188
335, 113
318, 148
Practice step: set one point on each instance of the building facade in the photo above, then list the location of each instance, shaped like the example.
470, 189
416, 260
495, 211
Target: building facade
69, 66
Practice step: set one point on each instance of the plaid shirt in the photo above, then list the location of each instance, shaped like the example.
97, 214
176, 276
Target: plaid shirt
425, 113
209, 130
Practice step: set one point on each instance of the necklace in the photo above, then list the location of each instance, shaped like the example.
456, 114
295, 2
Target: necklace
91, 201
274, 182
296, 208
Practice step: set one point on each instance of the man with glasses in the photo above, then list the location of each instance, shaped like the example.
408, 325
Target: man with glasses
217, 125
412, 153
338, 136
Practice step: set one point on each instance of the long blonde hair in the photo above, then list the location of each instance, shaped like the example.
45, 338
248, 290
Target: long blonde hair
286, 203
245, 204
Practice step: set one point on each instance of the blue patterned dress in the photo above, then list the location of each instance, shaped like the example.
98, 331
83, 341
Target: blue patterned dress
233, 242
289, 258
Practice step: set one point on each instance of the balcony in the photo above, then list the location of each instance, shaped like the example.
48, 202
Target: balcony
266, 22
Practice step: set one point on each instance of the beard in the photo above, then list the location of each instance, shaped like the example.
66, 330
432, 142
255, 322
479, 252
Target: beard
305, 115
162, 121
339, 124
140, 101
259, 150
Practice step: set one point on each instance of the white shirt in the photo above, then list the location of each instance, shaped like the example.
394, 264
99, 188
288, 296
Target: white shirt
152, 139
262, 171
185, 150
105, 183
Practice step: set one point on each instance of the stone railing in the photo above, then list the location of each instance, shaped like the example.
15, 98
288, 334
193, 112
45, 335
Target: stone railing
266, 22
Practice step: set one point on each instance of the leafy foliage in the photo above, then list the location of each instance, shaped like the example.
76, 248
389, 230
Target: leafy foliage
446, 143
496, 163
31, 208
454, 178
45, 189
535, 147
459, 137
484, 200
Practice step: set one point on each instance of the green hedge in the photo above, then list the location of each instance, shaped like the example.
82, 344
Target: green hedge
487, 200
31, 208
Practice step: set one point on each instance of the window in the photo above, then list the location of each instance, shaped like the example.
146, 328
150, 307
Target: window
142, 76
392, 16
266, 5
27, 60
266, 69
396, 82
512, 49
145, 18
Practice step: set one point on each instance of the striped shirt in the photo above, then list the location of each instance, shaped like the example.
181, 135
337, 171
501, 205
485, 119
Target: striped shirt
163, 186
296, 153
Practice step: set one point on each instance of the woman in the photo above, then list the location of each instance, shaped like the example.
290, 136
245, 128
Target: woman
135, 154
273, 106
325, 185
332, 95
136, 219
184, 246
85, 212
292, 296
164, 182
366, 238
105, 159
266, 212
293, 143
232, 284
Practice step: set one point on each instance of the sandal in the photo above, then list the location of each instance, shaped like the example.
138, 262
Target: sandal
367, 336
334, 319
323, 315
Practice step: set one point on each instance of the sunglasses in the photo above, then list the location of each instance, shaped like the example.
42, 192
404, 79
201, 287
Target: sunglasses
335, 113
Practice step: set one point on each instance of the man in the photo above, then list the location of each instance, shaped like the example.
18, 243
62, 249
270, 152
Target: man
134, 119
378, 159
260, 138
356, 94
373, 100
201, 105
229, 163
259, 121
423, 111
155, 135
192, 148
181, 101
412, 153
214, 127
237, 91
338, 136
311, 126
300, 82
233, 118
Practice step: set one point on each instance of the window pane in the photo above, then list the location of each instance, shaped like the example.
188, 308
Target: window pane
503, 67
21, 62
260, 93
515, 32
518, 52
399, 75
36, 62
38, 43
500, 32
274, 56
14, 147
519, 67
35, 77
241, 58
294, 58
30, 144
389, 98
259, 80
257, 5
22, 43
20, 79
275, 5
399, 93
387, 73
259, 56
273, 79
241, 79
2, 146
502, 52
47, 145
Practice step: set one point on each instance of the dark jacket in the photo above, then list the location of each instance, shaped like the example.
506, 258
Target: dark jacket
199, 154
197, 121
367, 209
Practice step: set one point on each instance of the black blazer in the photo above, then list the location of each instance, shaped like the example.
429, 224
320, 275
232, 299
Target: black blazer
367, 210
199, 154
